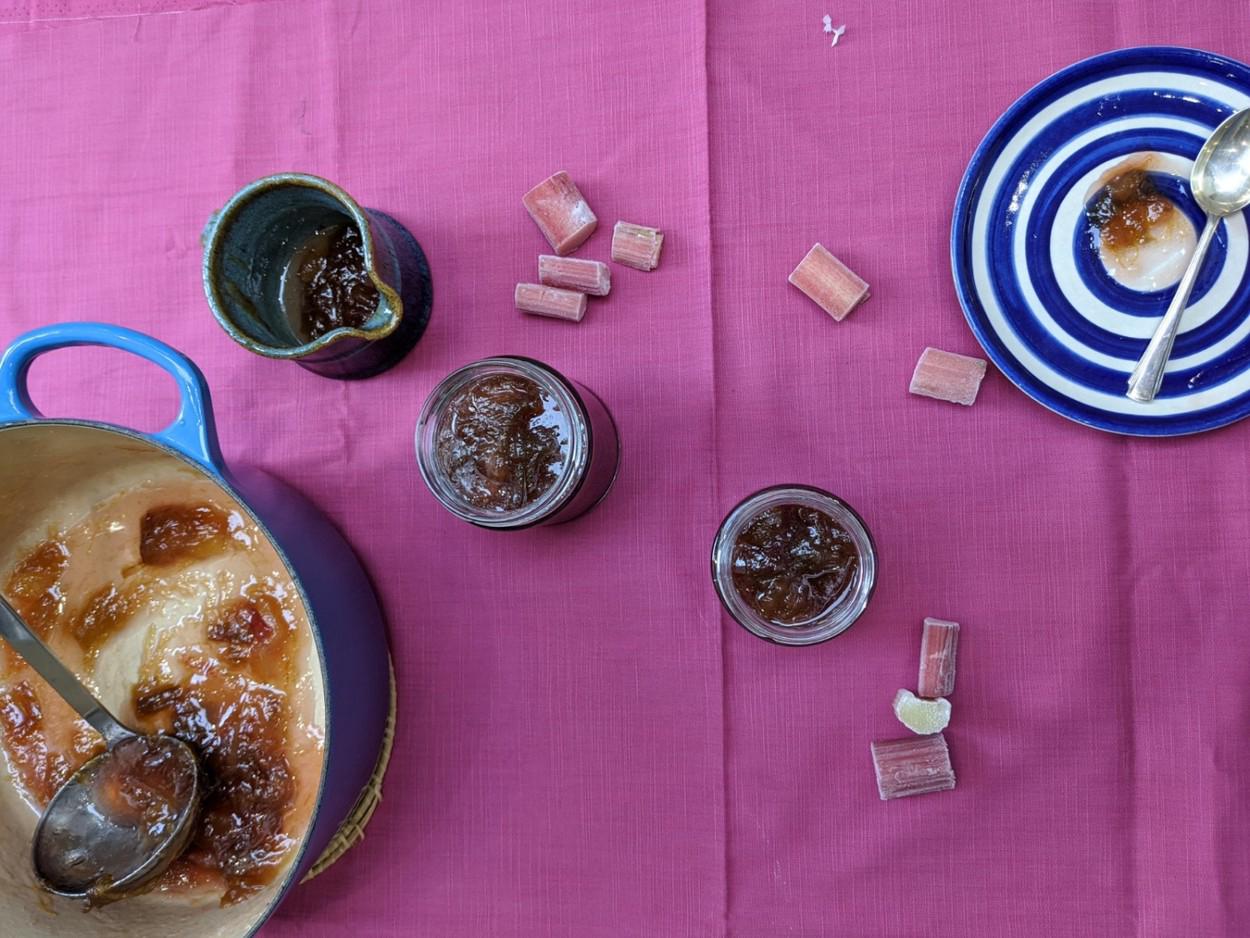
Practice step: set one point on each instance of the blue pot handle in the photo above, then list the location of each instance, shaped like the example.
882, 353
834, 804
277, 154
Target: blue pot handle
193, 432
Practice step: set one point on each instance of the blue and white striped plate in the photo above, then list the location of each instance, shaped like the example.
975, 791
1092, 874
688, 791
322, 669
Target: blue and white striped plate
1030, 281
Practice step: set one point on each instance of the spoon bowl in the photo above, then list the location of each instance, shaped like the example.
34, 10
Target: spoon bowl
1220, 182
123, 817
119, 822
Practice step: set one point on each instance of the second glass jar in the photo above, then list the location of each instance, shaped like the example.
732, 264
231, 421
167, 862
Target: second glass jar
509, 442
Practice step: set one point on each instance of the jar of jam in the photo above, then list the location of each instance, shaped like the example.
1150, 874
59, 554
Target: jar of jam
510, 443
794, 564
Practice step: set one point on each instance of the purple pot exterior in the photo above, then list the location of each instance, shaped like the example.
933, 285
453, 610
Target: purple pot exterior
349, 623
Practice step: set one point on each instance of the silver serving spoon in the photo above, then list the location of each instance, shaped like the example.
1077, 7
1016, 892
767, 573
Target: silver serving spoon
124, 817
1220, 182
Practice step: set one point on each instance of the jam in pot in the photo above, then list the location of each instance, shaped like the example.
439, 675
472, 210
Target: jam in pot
170, 601
509, 443
794, 565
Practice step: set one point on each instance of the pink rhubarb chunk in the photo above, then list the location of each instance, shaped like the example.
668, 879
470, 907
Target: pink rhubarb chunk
561, 213
538, 300
938, 644
637, 246
947, 376
591, 277
913, 766
829, 283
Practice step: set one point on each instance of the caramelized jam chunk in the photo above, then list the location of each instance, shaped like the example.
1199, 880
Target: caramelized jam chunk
34, 586
39, 767
240, 629
105, 613
170, 533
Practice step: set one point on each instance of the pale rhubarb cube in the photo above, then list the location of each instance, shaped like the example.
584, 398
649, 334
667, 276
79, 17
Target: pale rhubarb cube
636, 246
947, 376
938, 643
829, 283
561, 213
916, 765
538, 300
922, 716
571, 273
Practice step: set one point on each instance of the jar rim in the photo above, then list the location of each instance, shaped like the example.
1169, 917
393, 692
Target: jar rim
840, 614
572, 472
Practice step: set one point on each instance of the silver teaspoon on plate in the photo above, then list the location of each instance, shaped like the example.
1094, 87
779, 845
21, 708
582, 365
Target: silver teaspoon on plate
124, 817
1220, 182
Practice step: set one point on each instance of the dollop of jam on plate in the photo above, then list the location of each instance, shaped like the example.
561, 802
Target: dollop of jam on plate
1142, 239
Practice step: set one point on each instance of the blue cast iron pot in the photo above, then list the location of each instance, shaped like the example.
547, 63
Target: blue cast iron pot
342, 611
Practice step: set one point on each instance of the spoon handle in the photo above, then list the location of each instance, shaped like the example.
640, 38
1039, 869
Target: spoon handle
36, 654
1143, 383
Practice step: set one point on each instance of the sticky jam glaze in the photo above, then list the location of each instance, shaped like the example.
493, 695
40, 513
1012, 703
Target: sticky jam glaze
239, 727
170, 534
41, 762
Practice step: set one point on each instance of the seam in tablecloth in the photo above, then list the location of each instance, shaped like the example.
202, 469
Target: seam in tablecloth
1126, 449
1120, 486
714, 475
1127, 562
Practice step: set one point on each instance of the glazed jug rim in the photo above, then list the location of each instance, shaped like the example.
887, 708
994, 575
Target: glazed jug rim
222, 219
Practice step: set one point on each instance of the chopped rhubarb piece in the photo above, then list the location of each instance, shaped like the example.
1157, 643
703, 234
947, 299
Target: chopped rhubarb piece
637, 246
591, 277
913, 766
561, 213
829, 283
947, 376
938, 643
920, 715
550, 301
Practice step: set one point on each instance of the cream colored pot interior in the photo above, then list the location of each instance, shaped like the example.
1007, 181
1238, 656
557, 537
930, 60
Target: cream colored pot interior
53, 477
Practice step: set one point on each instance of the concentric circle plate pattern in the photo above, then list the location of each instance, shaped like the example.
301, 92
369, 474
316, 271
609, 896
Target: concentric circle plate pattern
1027, 268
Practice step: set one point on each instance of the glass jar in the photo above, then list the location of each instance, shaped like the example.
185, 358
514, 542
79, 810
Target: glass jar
510, 443
792, 539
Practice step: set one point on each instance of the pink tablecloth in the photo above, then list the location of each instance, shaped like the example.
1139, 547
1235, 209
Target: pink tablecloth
586, 746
